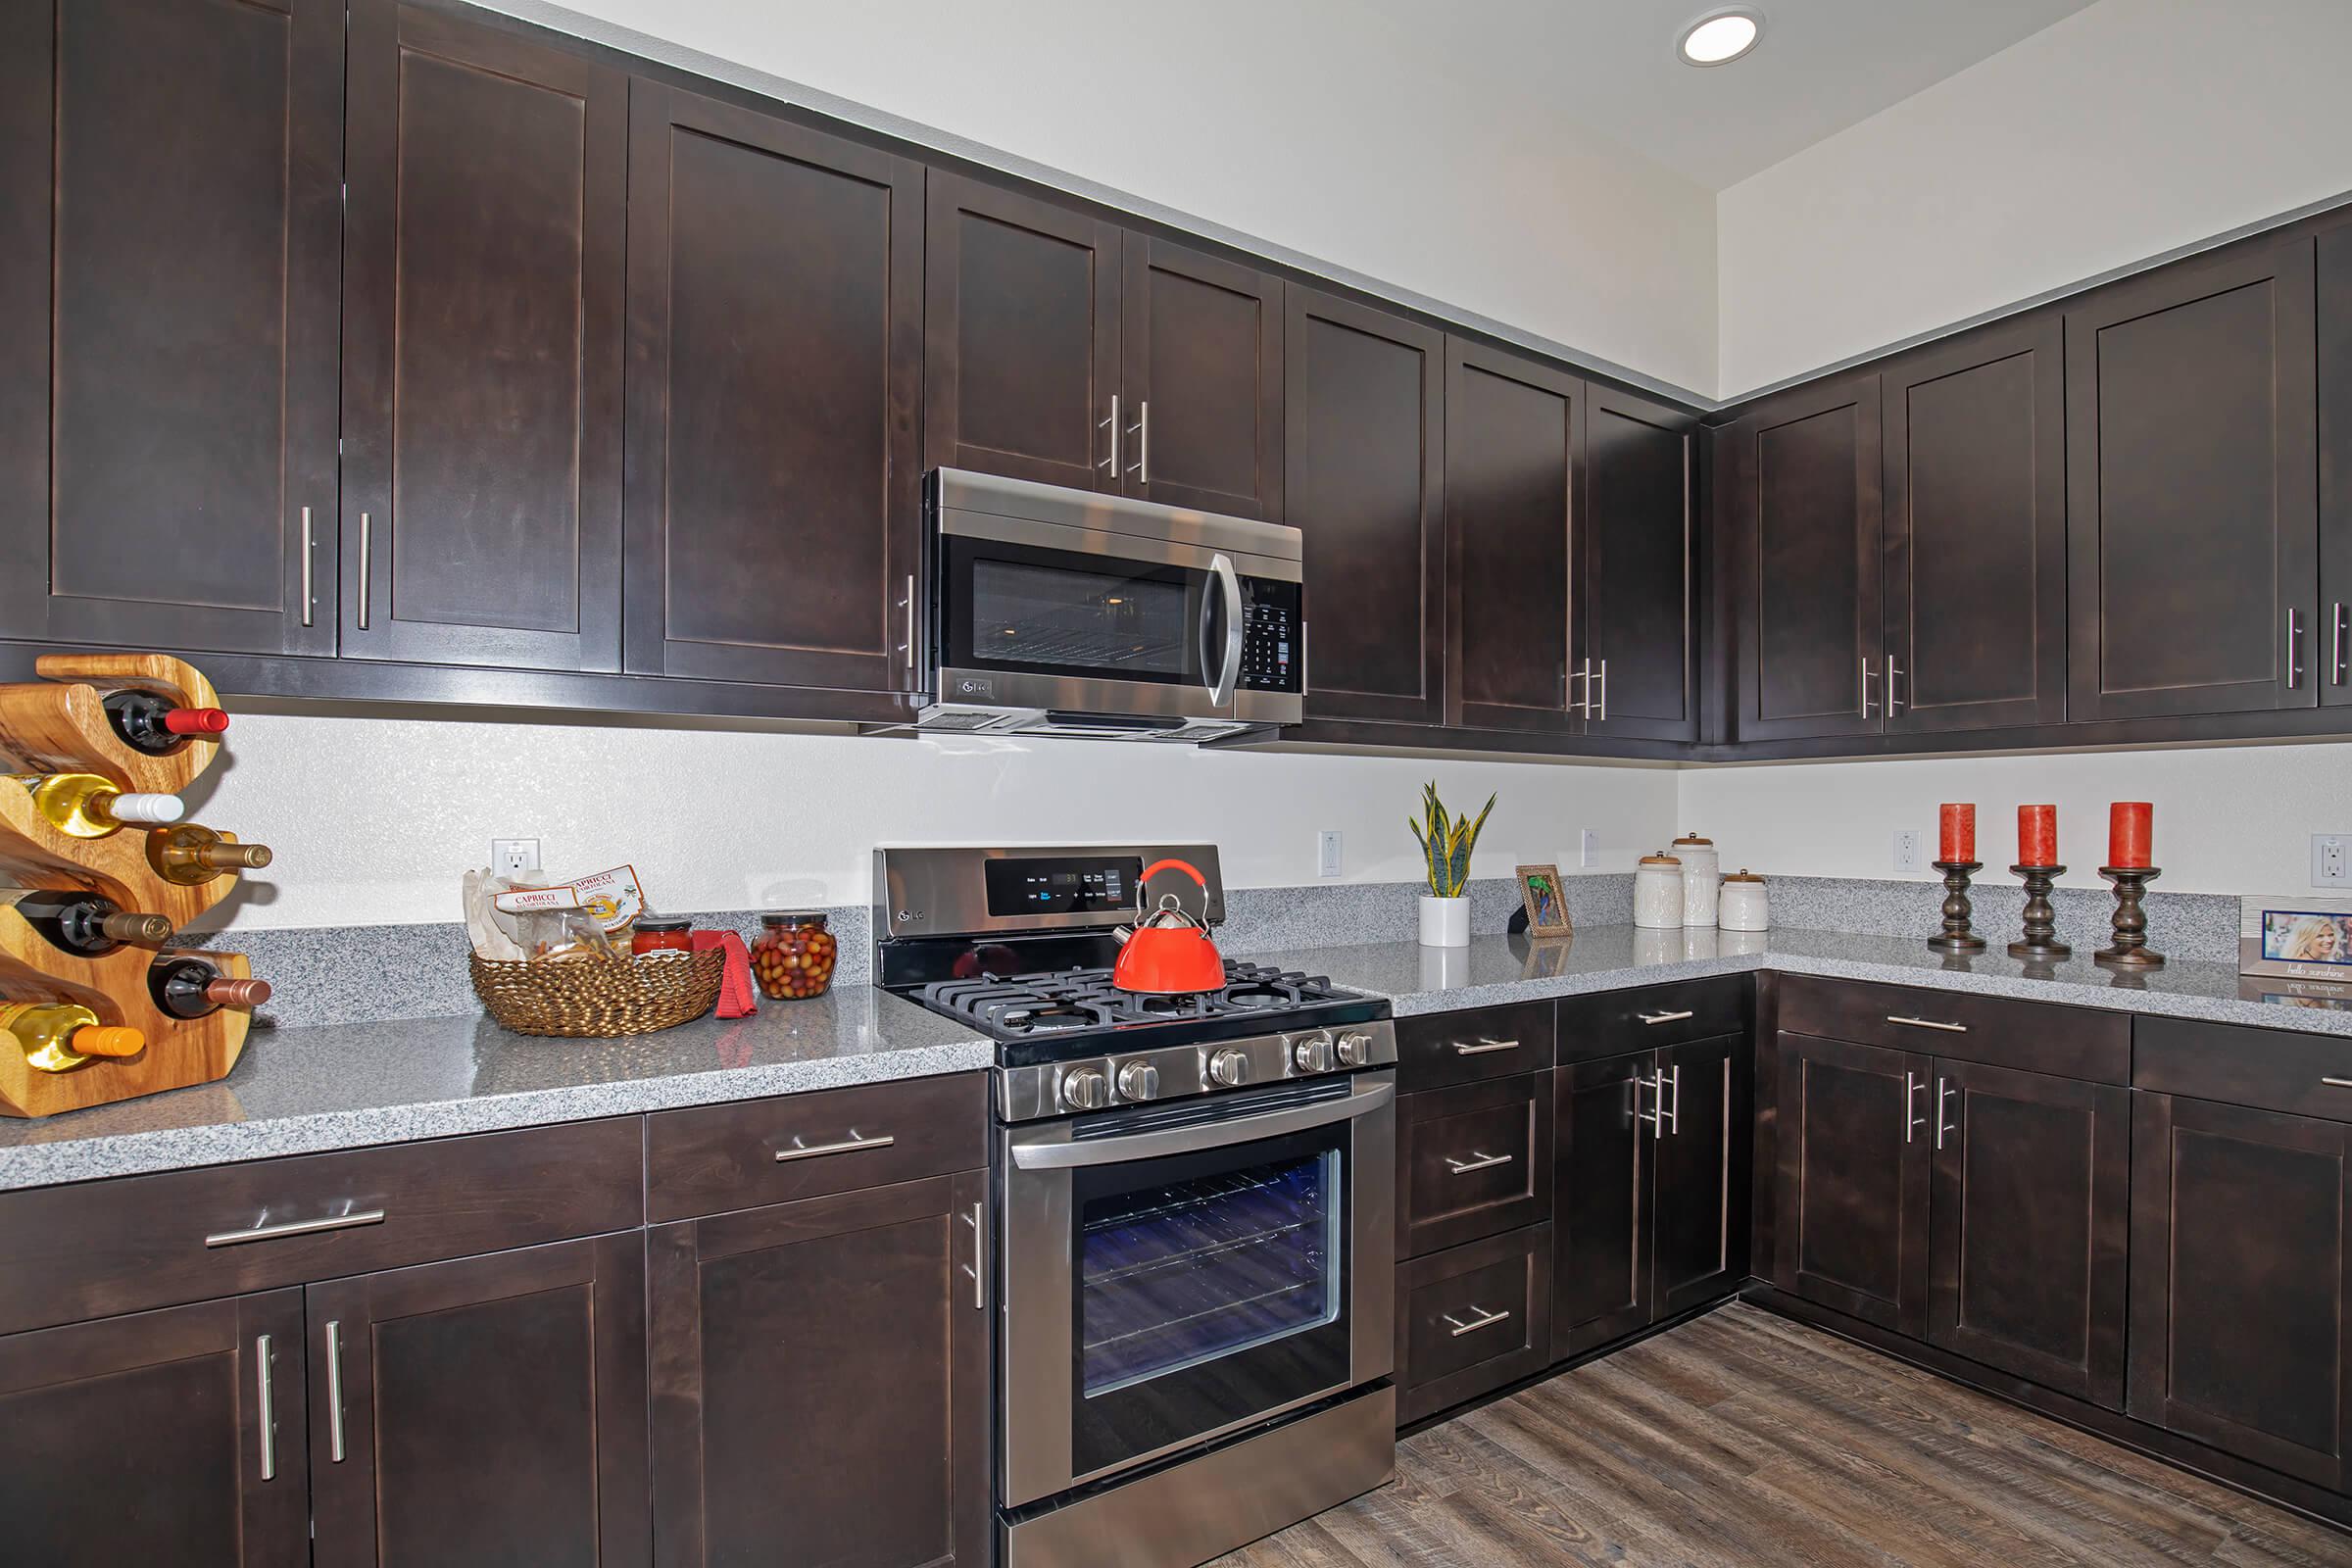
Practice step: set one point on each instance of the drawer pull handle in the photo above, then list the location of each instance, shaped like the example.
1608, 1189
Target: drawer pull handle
1664, 1018
847, 1145
1927, 1024
1477, 1161
1479, 1318
295, 1227
2337, 1083
1462, 1048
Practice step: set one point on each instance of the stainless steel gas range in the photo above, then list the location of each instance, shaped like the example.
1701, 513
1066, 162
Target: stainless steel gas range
1196, 1210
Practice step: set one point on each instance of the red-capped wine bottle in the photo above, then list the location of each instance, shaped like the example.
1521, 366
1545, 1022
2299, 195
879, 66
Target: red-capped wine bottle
190, 988
89, 924
158, 725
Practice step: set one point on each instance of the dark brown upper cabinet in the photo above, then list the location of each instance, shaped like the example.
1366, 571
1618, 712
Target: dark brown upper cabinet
1202, 352
1799, 494
1976, 531
2193, 516
482, 326
2335, 654
1364, 443
1514, 464
1636, 669
1853, 1143
170, 239
776, 350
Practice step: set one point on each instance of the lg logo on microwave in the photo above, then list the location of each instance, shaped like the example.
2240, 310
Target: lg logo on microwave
978, 687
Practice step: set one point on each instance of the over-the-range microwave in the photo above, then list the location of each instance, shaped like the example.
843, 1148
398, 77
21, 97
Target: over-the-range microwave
1058, 612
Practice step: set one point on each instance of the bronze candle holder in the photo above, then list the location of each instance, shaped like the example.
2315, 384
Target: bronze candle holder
1956, 936
2131, 950
2040, 942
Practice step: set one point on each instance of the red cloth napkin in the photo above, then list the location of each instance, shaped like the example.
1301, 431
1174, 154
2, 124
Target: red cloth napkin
736, 999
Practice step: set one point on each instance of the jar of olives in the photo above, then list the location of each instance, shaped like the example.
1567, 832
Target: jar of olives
793, 956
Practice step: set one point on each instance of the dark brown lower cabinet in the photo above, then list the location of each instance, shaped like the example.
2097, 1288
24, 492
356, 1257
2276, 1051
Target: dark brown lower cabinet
1601, 1231
1472, 1160
1700, 1173
1471, 1319
483, 1411
1852, 1179
170, 1437
820, 1380
2241, 1282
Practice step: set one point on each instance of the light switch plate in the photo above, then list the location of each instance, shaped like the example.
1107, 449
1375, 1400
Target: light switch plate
1907, 850
1587, 848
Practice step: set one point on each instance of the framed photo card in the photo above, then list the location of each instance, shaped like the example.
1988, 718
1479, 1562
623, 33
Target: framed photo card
1547, 905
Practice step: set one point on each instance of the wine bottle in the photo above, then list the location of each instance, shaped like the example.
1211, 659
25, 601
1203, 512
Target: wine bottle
192, 855
88, 806
59, 1036
190, 988
89, 924
158, 725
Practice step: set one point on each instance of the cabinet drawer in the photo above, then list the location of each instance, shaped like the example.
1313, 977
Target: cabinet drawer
2083, 1043
1472, 1160
713, 1158
73, 1253
1471, 1320
2271, 1069
1612, 1023
1437, 1048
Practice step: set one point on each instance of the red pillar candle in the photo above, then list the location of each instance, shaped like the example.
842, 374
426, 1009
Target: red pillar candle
2128, 833
2037, 835
1958, 840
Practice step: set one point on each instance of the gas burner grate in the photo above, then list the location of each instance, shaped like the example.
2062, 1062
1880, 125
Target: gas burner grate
1074, 999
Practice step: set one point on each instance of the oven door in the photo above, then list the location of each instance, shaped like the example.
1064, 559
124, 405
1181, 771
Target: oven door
1175, 1274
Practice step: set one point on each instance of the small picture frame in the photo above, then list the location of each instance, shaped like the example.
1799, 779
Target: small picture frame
2295, 936
1546, 901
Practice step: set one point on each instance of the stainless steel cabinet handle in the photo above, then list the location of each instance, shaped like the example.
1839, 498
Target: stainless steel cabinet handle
1462, 1048
296, 1227
1585, 675
1943, 1095
1868, 707
2294, 648
364, 563
2337, 1083
847, 1145
306, 566
1671, 1110
977, 1270
2335, 645
1894, 673
1911, 1088
1112, 462
1927, 1024
1603, 698
1479, 1318
334, 1390
265, 1407
1663, 1018
1657, 1110
911, 624
1143, 440
1476, 1161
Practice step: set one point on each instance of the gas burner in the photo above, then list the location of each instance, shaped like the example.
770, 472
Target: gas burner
1066, 1003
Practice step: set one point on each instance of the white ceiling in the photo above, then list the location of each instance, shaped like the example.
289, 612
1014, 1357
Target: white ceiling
1821, 65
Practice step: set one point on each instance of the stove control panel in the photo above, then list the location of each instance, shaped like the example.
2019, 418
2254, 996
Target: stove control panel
1176, 1072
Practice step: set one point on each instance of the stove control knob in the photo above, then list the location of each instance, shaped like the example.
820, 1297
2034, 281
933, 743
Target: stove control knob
1354, 1048
1085, 1088
1139, 1080
1229, 1068
1312, 1052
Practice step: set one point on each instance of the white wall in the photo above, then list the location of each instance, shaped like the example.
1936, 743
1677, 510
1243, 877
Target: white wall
2123, 131
2228, 819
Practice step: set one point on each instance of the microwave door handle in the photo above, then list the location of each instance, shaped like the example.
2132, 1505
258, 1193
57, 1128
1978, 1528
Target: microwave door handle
1229, 670
1208, 1135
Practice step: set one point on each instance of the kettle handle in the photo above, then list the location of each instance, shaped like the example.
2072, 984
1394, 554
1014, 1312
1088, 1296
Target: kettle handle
1158, 866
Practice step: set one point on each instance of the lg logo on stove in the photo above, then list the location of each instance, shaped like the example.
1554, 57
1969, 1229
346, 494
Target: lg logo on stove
976, 686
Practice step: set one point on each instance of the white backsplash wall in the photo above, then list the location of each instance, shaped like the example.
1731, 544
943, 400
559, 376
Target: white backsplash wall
2228, 819
375, 820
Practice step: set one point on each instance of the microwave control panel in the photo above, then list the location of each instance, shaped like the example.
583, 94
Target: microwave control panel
1273, 653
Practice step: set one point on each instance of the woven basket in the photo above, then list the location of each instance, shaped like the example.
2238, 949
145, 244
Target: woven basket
598, 999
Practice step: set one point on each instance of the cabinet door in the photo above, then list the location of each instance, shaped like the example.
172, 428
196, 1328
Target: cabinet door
1021, 336
1473, 1161
482, 345
1640, 570
2192, 479
171, 1437
1515, 461
1701, 1155
171, 215
1202, 370
1976, 531
820, 1381
1800, 493
2333, 659
1853, 1140
774, 502
1601, 1206
1364, 442
2241, 1282
490, 1410
2030, 1225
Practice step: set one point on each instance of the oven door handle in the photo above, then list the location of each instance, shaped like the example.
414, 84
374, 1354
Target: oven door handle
1192, 1139
1229, 674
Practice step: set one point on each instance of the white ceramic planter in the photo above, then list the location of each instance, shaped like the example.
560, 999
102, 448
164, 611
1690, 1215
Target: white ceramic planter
1444, 922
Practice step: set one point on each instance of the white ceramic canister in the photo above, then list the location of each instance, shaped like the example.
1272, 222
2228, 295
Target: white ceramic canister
1699, 871
1742, 906
1658, 892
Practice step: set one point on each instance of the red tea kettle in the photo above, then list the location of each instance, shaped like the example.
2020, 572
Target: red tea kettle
1168, 952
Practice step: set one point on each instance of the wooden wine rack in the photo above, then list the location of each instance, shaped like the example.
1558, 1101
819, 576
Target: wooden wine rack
60, 729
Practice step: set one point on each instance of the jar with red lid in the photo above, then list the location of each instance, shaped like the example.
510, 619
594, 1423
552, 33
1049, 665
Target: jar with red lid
662, 933
793, 956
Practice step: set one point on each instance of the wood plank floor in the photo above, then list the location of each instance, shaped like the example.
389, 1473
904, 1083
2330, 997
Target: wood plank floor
1742, 1440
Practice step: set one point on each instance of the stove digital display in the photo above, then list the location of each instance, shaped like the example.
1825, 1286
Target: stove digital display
1063, 885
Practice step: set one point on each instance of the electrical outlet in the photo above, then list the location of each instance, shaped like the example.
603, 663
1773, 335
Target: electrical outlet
1907, 850
1326, 853
2330, 859
514, 857
1587, 848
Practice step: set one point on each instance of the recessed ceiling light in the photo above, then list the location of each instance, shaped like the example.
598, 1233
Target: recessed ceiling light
1719, 38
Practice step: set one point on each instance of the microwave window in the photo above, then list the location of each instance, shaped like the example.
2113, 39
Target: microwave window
1057, 619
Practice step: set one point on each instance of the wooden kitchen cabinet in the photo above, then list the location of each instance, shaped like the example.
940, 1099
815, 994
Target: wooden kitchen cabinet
1637, 570
2334, 657
1364, 448
820, 1380
170, 209
482, 331
773, 503
1602, 1230
1201, 346
1853, 1140
1473, 1161
1700, 1172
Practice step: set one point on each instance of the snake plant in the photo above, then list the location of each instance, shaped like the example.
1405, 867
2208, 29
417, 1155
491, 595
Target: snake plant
1446, 842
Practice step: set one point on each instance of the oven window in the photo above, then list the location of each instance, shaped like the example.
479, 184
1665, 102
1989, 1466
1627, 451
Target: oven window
1191, 1271
1055, 618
